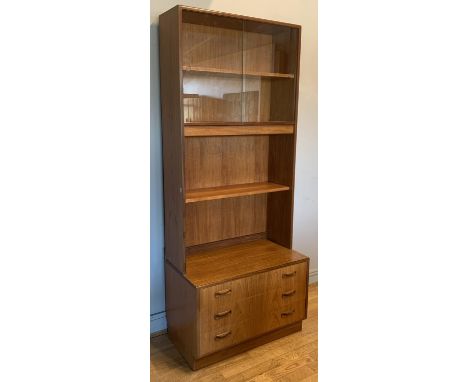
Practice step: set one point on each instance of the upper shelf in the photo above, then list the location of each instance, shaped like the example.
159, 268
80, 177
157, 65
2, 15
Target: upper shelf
224, 192
225, 130
201, 69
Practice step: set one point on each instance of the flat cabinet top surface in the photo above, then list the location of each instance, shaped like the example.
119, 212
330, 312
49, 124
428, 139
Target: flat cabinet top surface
224, 264
211, 12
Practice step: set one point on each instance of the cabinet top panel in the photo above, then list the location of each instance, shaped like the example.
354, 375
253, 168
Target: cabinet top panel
234, 16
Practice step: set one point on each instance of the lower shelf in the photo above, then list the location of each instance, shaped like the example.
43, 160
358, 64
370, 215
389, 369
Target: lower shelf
240, 260
214, 193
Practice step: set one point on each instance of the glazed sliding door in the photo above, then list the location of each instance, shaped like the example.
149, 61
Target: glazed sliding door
270, 71
212, 68
238, 71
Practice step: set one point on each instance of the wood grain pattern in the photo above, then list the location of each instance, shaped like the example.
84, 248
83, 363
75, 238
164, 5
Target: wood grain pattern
218, 49
199, 131
293, 357
224, 161
248, 73
279, 218
258, 51
281, 159
173, 137
250, 306
235, 333
281, 170
223, 192
245, 346
265, 100
271, 284
202, 16
218, 265
225, 243
282, 106
181, 312
287, 49
216, 220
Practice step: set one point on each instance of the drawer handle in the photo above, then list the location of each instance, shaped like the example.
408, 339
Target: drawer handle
288, 313
218, 316
223, 292
290, 293
222, 335
290, 274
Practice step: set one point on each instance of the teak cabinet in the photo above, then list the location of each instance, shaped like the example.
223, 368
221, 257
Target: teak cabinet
229, 88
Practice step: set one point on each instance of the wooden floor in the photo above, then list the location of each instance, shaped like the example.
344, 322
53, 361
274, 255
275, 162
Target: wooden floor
289, 359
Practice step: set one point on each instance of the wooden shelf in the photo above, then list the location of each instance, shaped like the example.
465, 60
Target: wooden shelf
224, 192
220, 130
200, 69
229, 263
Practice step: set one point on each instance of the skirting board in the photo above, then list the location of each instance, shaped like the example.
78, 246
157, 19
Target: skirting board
313, 276
158, 322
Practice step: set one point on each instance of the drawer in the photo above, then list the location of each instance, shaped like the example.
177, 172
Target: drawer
233, 332
292, 279
288, 284
247, 307
289, 313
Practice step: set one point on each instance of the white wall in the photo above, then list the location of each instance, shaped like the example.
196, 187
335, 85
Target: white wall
303, 12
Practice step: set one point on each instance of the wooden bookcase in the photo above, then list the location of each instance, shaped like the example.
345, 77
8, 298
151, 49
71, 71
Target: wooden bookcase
229, 88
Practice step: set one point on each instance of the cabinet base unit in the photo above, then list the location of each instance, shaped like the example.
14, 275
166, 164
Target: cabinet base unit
229, 88
218, 309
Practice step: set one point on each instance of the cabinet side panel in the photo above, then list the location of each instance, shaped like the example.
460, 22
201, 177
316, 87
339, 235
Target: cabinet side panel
282, 165
280, 204
279, 218
181, 313
172, 131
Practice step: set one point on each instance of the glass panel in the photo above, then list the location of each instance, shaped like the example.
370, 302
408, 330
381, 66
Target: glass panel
212, 68
270, 66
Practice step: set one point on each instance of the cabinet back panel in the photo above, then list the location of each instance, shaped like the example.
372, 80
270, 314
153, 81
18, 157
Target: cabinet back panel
215, 47
222, 219
223, 161
258, 52
212, 47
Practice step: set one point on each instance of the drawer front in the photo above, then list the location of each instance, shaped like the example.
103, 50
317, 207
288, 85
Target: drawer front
236, 332
287, 285
235, 311
289, 313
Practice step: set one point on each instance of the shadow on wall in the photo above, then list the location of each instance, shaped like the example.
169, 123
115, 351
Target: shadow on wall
156, 191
